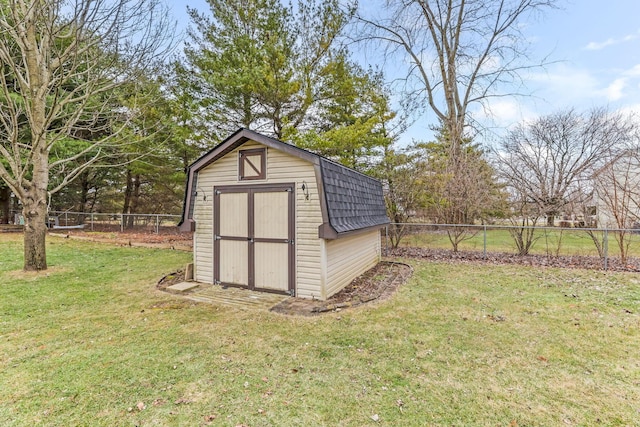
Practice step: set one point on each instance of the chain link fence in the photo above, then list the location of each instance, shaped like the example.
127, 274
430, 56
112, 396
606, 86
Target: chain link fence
606, 245
115, 222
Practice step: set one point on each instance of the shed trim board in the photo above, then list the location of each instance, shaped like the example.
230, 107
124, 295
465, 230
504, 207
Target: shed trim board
257, 171
249, 238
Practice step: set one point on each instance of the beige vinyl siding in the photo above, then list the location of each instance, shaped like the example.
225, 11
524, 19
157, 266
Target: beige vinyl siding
323, 268
349, 257
281, 168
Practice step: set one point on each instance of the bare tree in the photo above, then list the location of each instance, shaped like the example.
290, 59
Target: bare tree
403, 173
62, 65
551, 160
462, 189
523, 222
457, 52
617, 197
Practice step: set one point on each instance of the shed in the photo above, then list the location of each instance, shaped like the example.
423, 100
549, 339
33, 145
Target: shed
272, 217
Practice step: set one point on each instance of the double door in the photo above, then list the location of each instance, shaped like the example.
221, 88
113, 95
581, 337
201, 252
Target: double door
254, 237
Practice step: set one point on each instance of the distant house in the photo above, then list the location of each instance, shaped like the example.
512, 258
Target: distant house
616, 192
270, 216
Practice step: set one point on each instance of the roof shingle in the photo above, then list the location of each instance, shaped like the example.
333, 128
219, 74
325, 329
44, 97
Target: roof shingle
354, 201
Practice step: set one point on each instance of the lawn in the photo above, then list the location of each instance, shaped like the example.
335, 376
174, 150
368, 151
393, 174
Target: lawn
92, 342
548, 241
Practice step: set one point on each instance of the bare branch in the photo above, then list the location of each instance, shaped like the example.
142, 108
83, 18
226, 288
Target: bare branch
551, 161
458, 52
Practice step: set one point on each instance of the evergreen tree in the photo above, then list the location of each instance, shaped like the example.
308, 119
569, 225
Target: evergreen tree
257, 63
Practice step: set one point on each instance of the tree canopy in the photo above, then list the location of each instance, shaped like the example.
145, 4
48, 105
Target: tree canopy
258, 64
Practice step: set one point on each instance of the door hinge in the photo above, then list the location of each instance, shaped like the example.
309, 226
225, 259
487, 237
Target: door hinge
217, 282
216, 237
293, 242
292, 292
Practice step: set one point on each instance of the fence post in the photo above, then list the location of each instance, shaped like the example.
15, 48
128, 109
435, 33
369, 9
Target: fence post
386, 240
91, 221
484, 251
606, 249
122, 223
157, 224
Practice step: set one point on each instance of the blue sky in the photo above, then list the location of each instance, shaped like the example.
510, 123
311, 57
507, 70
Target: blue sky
595, 46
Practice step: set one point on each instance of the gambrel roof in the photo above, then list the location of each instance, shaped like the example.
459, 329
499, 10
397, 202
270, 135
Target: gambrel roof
350, 201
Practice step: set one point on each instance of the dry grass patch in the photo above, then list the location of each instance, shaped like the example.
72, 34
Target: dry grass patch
33, 275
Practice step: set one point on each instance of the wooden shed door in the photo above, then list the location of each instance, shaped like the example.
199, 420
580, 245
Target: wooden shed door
254, 237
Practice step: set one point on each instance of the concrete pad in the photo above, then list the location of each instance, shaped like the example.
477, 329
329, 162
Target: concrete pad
237, 297
182, 287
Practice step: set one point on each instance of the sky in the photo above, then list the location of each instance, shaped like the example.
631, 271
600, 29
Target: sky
593, 47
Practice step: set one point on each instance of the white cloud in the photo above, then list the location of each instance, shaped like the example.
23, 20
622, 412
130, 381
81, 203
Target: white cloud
633, 72
611, 41
506, 111
615, 90
600, 45
503, 113
562, 85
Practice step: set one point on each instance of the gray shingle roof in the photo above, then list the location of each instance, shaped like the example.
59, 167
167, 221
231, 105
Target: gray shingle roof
351, 201
354, 201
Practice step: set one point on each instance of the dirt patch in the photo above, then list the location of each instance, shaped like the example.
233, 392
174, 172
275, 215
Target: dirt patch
171, 279
378, 283
31, 275
467, 257
11, 228
172, 305
167, 238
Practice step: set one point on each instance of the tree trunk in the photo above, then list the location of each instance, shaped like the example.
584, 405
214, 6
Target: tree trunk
128, 191
34, 210
94, 198
551, 220
34, 194
5, 201
84, 194
134, 198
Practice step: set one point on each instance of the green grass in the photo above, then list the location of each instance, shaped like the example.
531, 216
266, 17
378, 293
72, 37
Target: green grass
549, 242
88, 341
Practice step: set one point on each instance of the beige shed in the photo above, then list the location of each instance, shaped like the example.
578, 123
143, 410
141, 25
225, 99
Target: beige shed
269, 216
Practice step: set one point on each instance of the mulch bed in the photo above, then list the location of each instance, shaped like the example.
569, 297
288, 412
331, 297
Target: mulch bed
376, 284
445, 255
